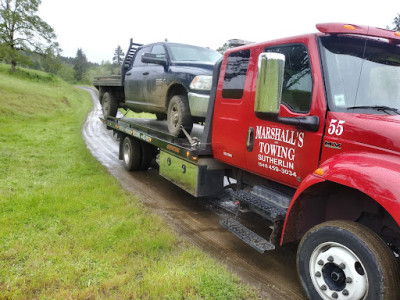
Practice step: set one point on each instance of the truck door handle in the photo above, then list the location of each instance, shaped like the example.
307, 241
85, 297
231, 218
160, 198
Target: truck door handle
128, 73
250, 139
146, 73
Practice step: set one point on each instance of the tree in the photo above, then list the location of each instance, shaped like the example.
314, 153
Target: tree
50, 62
80, 65
118, 56
396, 22
223, 48
22, 31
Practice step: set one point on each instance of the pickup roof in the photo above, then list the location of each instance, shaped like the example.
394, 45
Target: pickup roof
169, 79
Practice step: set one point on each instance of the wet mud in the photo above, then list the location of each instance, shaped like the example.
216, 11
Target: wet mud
272, 273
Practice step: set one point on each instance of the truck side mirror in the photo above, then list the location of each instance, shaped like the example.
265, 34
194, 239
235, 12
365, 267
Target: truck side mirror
269, 85
154, 59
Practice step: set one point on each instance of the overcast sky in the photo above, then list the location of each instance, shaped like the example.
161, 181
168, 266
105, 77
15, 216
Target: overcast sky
99, 26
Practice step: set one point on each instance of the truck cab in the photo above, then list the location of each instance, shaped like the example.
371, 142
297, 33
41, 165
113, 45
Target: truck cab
318, 114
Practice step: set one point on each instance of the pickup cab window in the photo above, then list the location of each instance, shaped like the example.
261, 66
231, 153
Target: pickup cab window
235, 74
138, 58
297, 84
159, 51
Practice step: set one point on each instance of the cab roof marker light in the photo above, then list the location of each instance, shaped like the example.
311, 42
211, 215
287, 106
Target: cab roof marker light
345, 28
348, 26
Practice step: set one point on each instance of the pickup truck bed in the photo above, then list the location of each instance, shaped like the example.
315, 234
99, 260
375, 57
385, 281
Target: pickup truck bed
113, 80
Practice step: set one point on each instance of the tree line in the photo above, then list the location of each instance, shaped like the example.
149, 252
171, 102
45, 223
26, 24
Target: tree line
27, 40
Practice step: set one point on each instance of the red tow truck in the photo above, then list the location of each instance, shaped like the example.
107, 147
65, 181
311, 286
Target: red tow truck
307, 129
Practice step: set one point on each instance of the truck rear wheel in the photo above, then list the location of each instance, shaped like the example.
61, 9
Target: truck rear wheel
132, 154
109, 105
345, 260
179, 115
148, 154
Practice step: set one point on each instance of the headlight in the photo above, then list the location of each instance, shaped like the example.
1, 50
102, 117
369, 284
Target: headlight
201, 82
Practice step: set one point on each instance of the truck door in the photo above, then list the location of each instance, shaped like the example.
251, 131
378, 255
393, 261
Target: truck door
270, 148
134, 91
154, 80
283, 152
231, 110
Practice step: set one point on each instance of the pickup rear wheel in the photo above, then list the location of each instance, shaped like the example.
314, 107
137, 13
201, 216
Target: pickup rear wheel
109, 105
132, 154
179, 115
345, 260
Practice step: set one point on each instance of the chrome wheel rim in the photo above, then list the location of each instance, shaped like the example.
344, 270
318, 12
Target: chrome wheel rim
175, 115
106, 106
337, 273
127, 153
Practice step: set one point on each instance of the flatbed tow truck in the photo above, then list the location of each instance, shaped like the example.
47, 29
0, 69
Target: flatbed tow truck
307, 128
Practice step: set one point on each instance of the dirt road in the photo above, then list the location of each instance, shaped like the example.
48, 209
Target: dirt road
273, 273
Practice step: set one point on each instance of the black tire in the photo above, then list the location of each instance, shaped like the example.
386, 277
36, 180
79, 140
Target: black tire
132, 154
147, 155
179, 115
346, 260
109, 105
161, 117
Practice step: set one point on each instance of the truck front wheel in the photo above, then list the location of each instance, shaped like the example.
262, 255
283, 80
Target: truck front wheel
179, 115
345, 260
109, 105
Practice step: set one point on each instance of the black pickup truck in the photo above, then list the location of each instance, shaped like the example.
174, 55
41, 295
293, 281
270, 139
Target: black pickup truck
169, 79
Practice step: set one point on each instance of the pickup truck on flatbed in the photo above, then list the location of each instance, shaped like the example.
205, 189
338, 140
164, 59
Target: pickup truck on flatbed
306, 129
169, 79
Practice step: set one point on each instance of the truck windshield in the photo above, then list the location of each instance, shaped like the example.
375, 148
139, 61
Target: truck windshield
362, 74
180, 53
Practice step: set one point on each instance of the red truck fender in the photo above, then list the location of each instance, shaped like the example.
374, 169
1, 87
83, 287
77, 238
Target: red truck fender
375, 175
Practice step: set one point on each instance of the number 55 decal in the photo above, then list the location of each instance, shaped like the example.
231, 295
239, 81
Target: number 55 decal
336, 127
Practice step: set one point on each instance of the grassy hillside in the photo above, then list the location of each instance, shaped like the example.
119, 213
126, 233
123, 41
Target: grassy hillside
67, 229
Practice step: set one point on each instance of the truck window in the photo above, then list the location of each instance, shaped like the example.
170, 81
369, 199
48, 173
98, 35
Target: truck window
297, 84
362, 74
185, 53
235, 74
159, 51
138, 58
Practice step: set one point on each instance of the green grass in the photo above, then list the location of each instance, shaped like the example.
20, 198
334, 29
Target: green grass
67, 228
142, 115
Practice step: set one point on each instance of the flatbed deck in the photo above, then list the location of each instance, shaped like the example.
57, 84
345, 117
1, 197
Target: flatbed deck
155, 132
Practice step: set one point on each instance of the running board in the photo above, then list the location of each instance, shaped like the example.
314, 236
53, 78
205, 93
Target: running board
267, 209
246, 235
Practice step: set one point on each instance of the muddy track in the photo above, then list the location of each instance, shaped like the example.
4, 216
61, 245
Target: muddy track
273, 273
